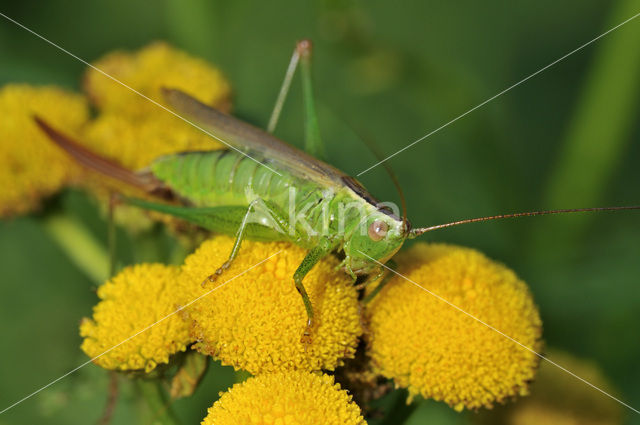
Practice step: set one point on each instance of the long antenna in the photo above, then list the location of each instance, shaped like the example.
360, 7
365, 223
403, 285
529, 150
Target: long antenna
417, 232
375, 150
373, 147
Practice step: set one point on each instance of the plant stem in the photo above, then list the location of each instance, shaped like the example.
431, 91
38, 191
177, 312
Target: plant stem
159, 407
399, 411
599, 131
79, 245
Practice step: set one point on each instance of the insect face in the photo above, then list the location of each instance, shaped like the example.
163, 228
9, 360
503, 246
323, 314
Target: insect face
379, 237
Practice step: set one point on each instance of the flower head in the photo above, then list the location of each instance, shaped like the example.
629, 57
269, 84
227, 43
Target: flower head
133, 130
290, 398
136, 142
437, 351
147, 71
560, 399
135, 324
31, 167
256, 320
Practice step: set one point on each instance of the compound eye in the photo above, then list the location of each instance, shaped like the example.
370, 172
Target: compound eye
378, 230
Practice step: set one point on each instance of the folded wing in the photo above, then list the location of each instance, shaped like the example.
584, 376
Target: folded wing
252, 141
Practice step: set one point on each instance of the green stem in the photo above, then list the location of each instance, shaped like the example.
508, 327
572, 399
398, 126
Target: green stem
160, 412
313, 141
193, 26
399, 411
599, 131
79, 245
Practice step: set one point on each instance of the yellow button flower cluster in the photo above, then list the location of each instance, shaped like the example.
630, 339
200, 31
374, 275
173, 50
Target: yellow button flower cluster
31, 167
255, 322
251, 318
128, 128
435, 350
561, 399
131, 129
135, 325
295, 398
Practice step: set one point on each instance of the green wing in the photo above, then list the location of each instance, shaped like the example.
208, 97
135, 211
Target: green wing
252, 141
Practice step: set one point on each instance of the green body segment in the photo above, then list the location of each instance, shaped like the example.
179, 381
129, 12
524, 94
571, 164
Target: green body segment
228, 179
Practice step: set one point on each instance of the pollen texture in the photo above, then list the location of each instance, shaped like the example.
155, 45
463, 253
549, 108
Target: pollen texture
31, 166
437, 351
147, 71
290, 398
134, 131
135, 142
134, 126
253, 318
136, 325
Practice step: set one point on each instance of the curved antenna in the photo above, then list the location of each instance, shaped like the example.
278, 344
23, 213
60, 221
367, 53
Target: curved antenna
419, 231
373, 147
376, 152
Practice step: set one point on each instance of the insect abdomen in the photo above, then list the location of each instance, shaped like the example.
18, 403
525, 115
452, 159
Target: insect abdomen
219, 177
228, 178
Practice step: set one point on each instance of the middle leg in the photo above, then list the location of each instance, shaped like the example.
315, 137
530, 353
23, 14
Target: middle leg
254, 206
310, 260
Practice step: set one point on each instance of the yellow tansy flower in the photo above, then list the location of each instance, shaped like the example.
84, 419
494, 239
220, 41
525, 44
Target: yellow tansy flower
560, 399
131, 302
147, 71
136, 142
31, 167
134, 131
290, 398
532, 414
256, 320
437, 351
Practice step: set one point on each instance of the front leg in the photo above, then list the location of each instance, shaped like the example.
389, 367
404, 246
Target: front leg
369, 280
391, 265
311, 259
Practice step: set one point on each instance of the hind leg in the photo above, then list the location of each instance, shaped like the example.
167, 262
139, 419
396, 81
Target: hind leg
301, 56
310, 260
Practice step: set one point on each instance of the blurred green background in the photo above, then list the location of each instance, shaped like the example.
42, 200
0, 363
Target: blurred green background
566, 138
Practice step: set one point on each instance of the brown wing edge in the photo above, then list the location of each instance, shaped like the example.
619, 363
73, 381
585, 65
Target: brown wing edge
100, 164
